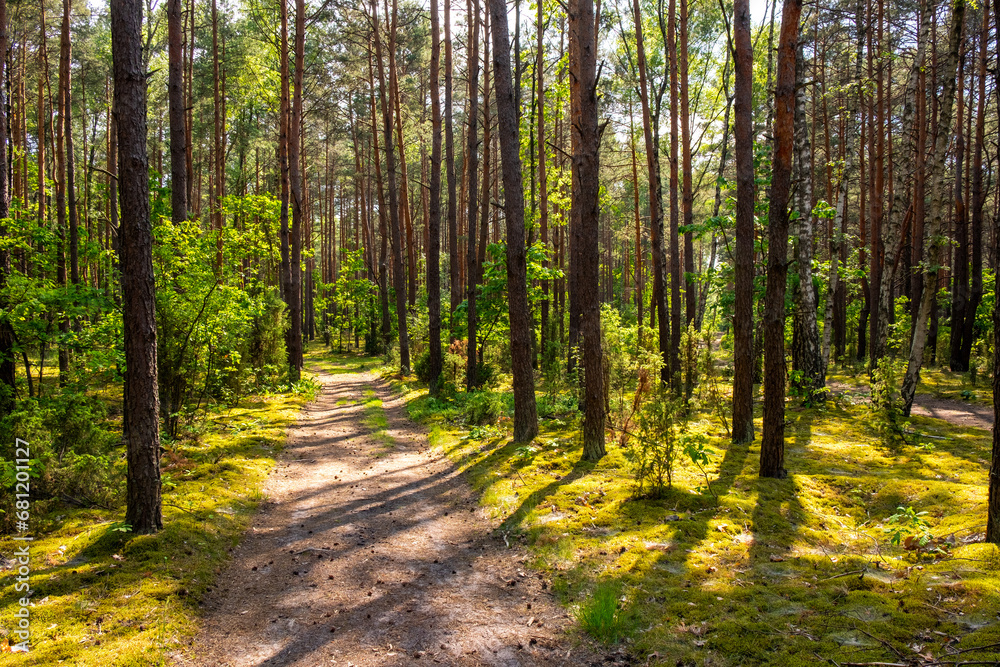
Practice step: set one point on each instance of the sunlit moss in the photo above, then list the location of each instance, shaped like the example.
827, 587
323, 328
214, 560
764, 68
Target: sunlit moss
772, 572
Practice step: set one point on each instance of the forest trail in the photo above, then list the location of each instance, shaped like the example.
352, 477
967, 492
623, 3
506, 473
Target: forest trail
371, 550
959, 413
953, 411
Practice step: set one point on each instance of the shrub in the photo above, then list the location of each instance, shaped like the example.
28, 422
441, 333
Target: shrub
653, 449
484, 407
885, 410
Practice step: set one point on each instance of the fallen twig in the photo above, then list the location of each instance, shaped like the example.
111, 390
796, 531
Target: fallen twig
845, 574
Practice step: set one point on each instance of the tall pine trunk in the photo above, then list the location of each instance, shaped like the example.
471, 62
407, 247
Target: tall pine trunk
525, 412
586, 167
141, 426
472, 169
296, 198
175, 92
434, 213
398, 271
772, 447
8, 368
675, 251
993, 507
743, 314
449, 151
978, 201
655, 198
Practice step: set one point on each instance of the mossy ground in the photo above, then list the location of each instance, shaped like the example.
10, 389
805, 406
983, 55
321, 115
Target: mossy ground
764, 572
102, 596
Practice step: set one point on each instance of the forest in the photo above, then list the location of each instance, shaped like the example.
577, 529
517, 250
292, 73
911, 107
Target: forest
681, 316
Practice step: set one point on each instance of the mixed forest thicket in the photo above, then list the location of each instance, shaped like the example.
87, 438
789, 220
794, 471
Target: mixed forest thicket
594, 196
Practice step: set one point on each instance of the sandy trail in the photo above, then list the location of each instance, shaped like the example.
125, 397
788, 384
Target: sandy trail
959, 413
368, 555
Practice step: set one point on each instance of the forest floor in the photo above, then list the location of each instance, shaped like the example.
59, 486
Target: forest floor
954, 410
371, 549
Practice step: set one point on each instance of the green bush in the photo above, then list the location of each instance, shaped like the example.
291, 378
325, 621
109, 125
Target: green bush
484, 407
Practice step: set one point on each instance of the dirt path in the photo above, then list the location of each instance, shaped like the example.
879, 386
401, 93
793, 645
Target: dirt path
959, 413
374, 555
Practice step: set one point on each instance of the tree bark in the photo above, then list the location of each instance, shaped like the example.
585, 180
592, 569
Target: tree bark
806, 353
960, 220
993, 503
525, 412
586, 145
839, 219
8, 365
67, 121
543, 185
141, 428
772, 447
472, 162
655, 198
675, 252
434, 214
296, 197
178, 134
978, 200
743, 315
687, 196
449, 149
938, 204
285, 277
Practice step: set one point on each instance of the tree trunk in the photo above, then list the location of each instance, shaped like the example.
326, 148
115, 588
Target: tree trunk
178, 135
525, 413
839, 219
938, 204
960, 261
743, 315
993, 510
472, 162
406, 212
398, 270
434, 214
806, 353
218, 152
296, 197
543, 186
586, 145
772, 447
883, 235
67, 120
687, 196
8, 367
655, 197
891, 232
449, 149
285, 277
978, 200
675, 252
60, 177
141, 428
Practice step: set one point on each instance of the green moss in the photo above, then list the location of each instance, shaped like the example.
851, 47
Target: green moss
769, 571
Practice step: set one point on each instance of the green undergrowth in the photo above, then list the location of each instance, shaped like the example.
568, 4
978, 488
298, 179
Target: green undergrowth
749, 571
102, 596
939, 382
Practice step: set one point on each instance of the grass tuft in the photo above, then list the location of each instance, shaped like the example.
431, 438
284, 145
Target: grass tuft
602, 616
